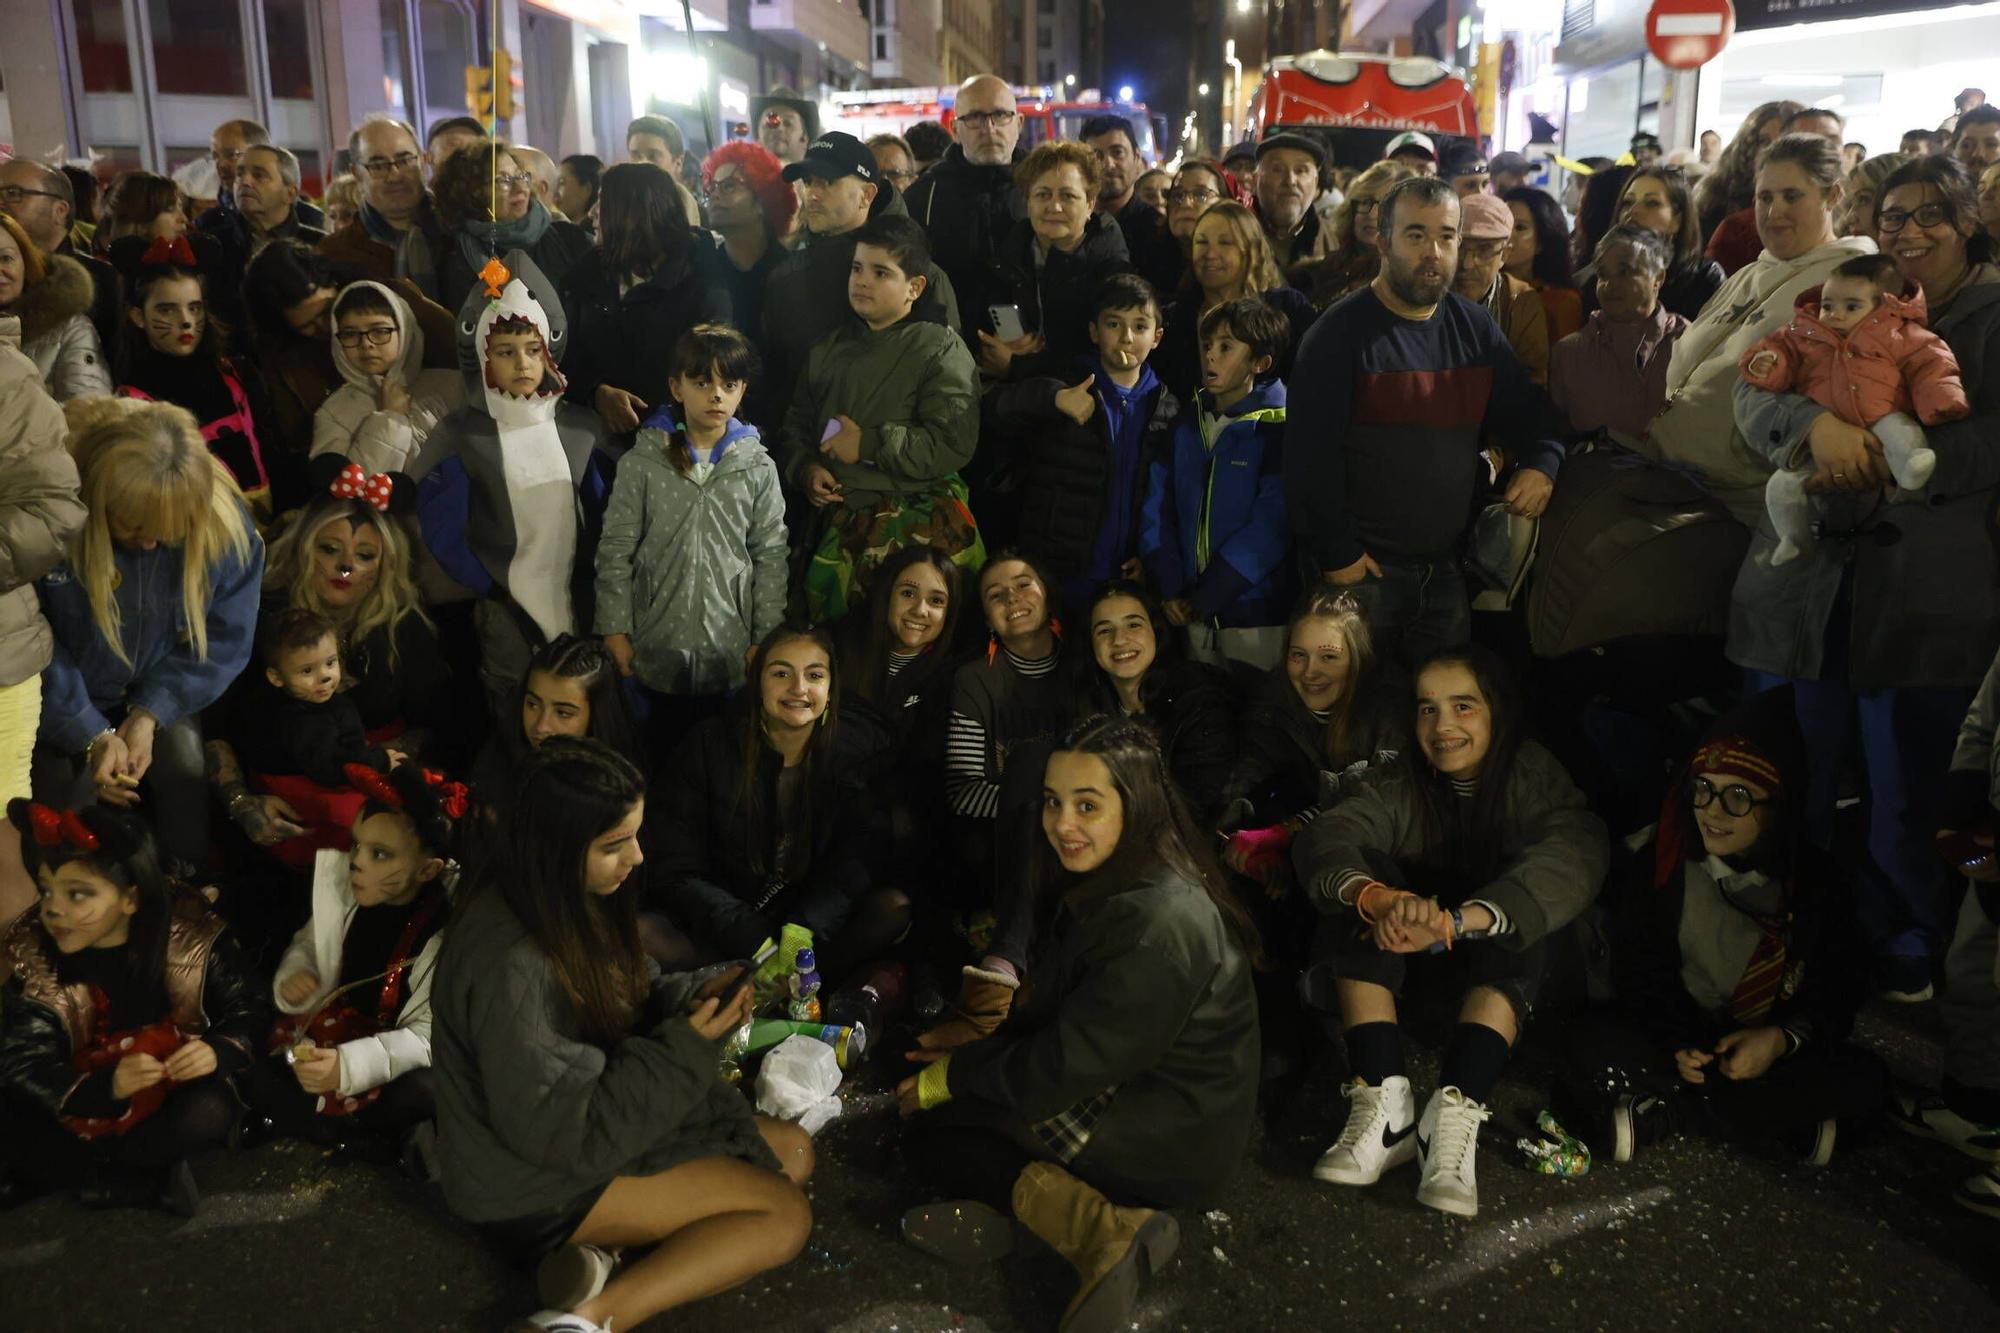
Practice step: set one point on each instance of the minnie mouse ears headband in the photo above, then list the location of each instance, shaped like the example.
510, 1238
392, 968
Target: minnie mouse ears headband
140, 257
384, 492
421, 793
91, 830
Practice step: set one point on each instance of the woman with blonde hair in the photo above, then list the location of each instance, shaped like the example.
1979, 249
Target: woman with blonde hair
1229, 259
1861, 191
153, 613
344, 558
1348, 258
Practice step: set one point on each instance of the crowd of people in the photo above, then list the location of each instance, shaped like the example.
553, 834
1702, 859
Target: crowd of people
465, 652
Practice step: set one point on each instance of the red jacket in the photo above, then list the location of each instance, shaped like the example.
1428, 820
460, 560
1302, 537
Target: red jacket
1889, 362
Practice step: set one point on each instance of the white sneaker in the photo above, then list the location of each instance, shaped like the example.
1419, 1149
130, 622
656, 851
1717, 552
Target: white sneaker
557, 1321
1981, 1193
1380, 1121
1925, 1115
572, 1275
1447, 1140
1818, 1146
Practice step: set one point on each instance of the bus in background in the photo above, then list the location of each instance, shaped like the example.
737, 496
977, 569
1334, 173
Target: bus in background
1357, 101
1045, 114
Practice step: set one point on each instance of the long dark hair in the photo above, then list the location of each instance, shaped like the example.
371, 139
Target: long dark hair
126, 855
1169, 644
140, 280
283, 274
566, 795
586, 661
1598, 209
642, 228
1552, 267
1946, 175
1686, 242
868, 642
752, 804
1470, 836
1158, 834
588, 168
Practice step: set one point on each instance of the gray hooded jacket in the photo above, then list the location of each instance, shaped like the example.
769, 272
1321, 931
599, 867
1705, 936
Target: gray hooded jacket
350, 421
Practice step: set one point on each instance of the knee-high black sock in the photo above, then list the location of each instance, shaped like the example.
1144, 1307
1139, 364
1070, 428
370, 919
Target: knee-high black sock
1473, 1059
1375, 1052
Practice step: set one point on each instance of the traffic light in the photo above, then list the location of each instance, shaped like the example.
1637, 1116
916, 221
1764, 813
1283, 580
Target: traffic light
479, 91
504, 79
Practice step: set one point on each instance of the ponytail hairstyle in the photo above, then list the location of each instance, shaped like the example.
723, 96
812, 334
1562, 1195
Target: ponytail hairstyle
817, 762
869, 643
116, 845
567, 794
1158, 834
1344, 727
1471, 834
145, 467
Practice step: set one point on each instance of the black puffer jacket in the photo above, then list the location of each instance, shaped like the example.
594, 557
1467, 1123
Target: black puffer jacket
1281, 768
1055, 294
628, 340
968, 212
1188, 706
1063, 470
715, 874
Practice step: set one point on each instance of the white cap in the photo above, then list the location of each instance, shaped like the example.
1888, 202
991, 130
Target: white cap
1412, 139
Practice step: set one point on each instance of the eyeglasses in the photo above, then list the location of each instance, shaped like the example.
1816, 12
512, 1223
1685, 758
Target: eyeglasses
1193, 196
899, 176
1736, 797
1366, 205
377, 335
998, 120
226, 155
382, 166
1892, 220
12, 195
726, 185
515, 180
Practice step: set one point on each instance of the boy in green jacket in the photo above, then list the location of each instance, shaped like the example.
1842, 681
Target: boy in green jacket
885, 413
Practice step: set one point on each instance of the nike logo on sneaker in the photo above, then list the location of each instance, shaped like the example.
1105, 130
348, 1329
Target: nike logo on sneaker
1392, 1137
1423, 1147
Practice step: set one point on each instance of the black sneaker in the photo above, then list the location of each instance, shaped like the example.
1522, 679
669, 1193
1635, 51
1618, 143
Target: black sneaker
1640, 1120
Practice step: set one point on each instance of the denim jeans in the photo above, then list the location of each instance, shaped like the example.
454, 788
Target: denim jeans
1415, 609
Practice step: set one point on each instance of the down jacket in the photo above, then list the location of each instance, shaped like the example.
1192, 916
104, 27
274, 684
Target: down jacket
365, 1062
350, 423
692, 566
1889, 362
532, 1117
57, 335
40, 509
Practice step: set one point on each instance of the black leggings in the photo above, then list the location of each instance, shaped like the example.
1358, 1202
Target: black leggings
274, 1091
195, 1118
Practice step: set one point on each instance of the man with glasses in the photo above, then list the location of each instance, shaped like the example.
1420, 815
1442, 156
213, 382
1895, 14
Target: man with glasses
968, 202
898, 163
43, 201
1153, 252
267, 209
232, 138
806, 296
395, 207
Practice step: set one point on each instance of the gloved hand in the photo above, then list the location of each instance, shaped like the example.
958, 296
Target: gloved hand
780, 965
1258, 852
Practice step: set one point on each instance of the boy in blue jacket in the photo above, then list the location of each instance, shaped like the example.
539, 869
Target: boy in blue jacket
1213, 532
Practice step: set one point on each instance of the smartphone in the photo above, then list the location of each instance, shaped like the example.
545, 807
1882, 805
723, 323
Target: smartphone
1006, 322
718, 982
1964, 851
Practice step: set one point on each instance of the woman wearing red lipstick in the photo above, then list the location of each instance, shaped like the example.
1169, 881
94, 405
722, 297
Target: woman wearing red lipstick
172, 353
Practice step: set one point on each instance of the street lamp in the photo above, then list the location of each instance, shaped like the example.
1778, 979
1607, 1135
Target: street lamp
1069, 80
1125, 93
1243, 6
1202, 91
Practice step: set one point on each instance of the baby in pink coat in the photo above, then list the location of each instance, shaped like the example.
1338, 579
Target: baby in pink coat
1862, 352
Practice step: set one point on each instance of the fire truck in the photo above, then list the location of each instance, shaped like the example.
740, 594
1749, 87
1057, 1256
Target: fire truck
1047, 112
1357, 101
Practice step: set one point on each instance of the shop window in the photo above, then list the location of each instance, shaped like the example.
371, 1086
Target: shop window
448, 47
198, 48
395, 42
100, 47
288, 41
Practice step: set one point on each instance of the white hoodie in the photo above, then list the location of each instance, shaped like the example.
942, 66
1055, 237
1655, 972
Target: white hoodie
350, 422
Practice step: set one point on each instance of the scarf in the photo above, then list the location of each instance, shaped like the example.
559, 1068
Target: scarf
480, 241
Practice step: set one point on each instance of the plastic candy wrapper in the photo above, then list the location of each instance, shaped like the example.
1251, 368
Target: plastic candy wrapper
798, 1074
733, 1051
1557, 1152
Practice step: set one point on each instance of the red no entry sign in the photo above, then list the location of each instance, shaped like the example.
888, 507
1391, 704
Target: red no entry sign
1688, 33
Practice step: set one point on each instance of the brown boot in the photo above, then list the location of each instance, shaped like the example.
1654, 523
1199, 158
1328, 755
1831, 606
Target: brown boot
1113, 1249
983, 1001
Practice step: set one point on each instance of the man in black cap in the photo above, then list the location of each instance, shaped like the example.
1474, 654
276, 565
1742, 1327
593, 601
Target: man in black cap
1289, 168
806, 297
1508, 171
785, 123
1465, 167
1645, 150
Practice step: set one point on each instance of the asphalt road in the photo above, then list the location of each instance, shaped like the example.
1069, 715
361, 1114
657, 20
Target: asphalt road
1692, 1235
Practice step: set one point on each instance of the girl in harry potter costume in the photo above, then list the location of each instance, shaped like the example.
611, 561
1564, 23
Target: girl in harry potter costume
127, 1016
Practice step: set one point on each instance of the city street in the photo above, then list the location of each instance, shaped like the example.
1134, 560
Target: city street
1691, 1236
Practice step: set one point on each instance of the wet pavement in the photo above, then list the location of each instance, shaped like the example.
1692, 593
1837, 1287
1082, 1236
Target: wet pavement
1692, 1235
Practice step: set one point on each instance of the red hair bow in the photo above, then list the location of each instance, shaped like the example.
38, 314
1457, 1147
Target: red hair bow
164, 251
355, 482
52, 826
373, 784
454, 798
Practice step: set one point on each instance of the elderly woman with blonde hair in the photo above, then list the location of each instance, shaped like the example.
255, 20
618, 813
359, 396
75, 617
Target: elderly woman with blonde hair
153, 611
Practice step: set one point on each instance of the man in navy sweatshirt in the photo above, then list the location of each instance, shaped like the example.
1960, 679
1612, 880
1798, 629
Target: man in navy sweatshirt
1395, 391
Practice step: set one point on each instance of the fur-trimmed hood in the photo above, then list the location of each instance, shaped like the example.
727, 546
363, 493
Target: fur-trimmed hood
64, 292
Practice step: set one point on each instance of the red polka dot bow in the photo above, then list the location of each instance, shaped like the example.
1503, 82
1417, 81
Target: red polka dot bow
355, 482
